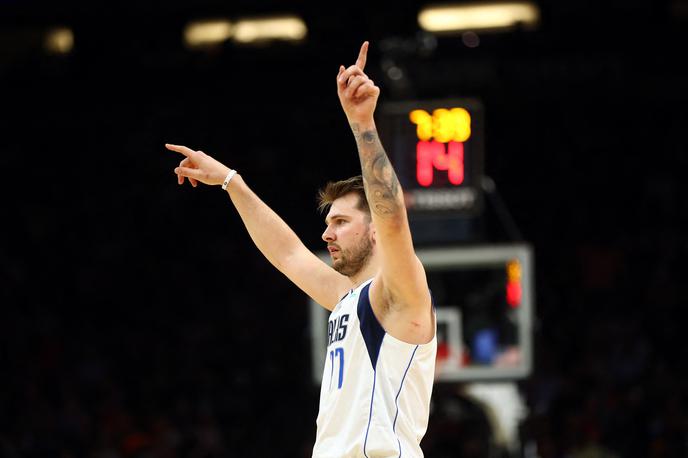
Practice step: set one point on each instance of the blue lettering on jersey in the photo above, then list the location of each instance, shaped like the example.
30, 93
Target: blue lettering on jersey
336, 329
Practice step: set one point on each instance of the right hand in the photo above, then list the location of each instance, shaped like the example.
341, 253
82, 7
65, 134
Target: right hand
357, 93
198, 166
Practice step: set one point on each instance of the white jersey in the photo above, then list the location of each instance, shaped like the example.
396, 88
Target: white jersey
376, 389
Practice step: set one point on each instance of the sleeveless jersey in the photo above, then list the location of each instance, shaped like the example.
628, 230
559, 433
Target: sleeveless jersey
376, 389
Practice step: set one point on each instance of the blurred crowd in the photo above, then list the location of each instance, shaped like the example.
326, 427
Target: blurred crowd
156, 372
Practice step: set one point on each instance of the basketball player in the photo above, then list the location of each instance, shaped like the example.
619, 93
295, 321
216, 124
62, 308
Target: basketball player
378, 374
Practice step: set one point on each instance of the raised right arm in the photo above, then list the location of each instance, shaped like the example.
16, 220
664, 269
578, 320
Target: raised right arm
269, 232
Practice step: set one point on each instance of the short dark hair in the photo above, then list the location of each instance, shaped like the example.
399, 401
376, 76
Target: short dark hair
333, 190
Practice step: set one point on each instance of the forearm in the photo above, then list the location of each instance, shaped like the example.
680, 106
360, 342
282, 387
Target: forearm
382, 187
270, 233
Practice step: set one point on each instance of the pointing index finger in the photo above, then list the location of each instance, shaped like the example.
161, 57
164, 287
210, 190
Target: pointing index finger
362, 56
180, 149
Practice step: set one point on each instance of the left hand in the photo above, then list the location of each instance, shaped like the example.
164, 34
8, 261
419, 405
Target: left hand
198, 167
357, 92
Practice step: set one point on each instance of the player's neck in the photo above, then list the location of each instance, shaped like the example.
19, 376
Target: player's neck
366, 273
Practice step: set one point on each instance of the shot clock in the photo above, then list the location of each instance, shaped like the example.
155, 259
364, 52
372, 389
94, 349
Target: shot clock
436, 147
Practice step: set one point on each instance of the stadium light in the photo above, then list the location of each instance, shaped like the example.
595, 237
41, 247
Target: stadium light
285, 28
207, 32
59, 40
478, 16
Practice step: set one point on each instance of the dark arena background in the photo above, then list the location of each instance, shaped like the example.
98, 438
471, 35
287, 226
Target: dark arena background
139, 320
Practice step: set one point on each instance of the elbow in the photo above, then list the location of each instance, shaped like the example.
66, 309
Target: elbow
392, 210
393, 218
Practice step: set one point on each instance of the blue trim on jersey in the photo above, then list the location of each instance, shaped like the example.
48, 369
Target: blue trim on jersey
370, 328
396, 399
344, 296
370, 414
372, 336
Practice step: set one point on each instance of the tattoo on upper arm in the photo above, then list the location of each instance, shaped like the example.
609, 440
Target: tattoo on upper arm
379, 177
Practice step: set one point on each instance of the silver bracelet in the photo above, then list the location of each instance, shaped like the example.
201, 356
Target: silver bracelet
229, 177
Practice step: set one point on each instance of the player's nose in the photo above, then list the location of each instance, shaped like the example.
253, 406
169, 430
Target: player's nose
328, 235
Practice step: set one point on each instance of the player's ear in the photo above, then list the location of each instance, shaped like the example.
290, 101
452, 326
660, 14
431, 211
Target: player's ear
373, 232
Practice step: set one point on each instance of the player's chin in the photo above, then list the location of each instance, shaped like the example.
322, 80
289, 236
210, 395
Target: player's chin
338, 264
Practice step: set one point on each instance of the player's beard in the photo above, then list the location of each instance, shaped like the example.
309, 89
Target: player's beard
353, 259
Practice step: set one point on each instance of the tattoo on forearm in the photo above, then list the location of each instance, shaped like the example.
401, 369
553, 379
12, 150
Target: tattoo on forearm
379, 177
369, 137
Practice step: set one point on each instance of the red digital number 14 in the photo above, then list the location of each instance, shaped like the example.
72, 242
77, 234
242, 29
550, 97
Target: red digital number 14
431, 155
